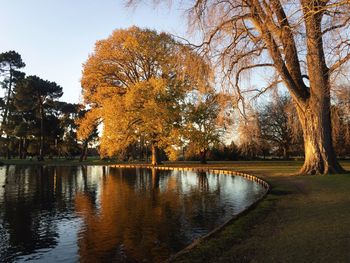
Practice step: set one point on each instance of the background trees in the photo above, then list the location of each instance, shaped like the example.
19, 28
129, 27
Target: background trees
36, 95
341, 120
202, 128
274, 121
34, 121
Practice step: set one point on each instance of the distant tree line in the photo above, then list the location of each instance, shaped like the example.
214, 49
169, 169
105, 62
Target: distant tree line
273, 129
35, 123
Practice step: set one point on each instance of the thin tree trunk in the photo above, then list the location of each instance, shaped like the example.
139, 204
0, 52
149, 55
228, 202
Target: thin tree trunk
8, 151
155, 157
146, 152
7, 108
20, 148
83, 152
41, 149
203, 157
86, 152
25, 146
285, 152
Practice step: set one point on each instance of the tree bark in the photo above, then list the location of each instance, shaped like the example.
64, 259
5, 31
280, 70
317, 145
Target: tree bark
320, 157
313, 102
20, 148
203, 157
8, 151
7, 107
285, 152
155, 156
41, 149
315, 116
25, 146
83, 152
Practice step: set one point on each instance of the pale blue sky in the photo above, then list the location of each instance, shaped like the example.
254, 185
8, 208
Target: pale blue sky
55, 37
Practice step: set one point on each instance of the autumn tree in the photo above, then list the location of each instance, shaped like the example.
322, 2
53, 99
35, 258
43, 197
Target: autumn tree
203, 128
134, 83
251, 141
87, 131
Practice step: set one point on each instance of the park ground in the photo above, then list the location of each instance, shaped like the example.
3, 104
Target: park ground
302, 219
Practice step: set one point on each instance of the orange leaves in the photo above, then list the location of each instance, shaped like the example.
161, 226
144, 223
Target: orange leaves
87, 124
135, 82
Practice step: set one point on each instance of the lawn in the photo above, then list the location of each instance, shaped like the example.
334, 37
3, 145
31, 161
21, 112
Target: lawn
303, 219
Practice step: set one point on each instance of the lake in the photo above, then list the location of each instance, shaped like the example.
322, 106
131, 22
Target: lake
102, 214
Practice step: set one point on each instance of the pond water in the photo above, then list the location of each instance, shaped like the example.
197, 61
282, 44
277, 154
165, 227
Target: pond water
101, 214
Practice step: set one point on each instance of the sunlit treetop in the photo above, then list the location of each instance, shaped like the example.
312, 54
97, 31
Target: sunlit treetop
135, 83
133, 55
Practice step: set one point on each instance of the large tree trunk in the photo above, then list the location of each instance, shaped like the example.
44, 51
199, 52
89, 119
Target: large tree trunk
155, 156
320, 157
315, 115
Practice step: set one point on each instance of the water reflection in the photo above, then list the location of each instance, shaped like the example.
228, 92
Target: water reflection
97, 214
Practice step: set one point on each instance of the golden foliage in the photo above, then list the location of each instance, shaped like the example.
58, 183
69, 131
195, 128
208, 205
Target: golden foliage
134, 83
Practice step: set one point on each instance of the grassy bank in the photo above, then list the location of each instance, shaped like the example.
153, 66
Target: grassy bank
303, 219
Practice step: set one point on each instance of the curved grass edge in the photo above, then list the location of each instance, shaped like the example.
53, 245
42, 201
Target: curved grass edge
219, 228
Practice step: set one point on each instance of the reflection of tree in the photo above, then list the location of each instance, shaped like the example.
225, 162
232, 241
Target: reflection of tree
26, 200
203, 183
129, 220
155, 178
34, 200
127, 214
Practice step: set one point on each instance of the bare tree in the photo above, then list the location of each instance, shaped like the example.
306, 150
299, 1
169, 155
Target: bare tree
303, 41
291, 38
275, 122
251, 141
341, 120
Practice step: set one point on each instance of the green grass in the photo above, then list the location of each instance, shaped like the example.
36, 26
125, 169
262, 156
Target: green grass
302, 219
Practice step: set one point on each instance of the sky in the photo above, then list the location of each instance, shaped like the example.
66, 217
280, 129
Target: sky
55, 37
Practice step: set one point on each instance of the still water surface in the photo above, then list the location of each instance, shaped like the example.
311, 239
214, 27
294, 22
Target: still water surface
100, 214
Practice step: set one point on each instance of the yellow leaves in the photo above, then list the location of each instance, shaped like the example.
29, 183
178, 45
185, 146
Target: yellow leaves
135, 81
87, 124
